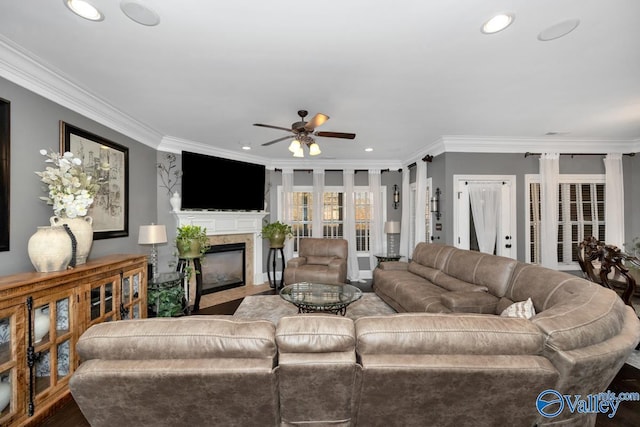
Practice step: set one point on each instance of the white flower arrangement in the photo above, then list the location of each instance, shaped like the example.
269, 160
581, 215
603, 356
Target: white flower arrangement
71, 188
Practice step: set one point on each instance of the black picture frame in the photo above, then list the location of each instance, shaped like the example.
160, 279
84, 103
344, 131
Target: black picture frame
109, 162
5, 172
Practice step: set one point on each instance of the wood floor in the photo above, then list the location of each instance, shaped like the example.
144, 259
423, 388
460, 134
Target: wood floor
627, 380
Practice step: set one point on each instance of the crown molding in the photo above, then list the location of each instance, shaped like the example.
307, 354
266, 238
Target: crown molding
483, 144
27, 70
176, 145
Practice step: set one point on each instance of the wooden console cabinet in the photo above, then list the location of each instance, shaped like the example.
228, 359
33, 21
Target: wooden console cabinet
36, 370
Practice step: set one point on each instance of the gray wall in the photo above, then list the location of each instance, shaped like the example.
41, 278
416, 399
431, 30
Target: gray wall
445, 166
34, 126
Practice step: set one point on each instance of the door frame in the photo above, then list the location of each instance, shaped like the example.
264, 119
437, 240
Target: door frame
459, 215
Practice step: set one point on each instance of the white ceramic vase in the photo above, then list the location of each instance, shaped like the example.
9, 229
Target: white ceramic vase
175, 201
82, 229
41, 323
5, 395
49, 249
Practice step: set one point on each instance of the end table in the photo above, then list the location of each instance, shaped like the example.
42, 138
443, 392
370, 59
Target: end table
383, 258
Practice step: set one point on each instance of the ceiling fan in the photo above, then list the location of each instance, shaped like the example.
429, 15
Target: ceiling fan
302, 133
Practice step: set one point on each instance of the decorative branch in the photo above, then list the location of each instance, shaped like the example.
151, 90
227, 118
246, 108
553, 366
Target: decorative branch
169, 173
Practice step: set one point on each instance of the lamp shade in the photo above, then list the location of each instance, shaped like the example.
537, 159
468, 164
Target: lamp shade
392, 227
152, 234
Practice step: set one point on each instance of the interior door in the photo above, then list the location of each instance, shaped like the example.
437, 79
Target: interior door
464, 230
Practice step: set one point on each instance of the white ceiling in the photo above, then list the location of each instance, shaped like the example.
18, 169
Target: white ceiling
409, 77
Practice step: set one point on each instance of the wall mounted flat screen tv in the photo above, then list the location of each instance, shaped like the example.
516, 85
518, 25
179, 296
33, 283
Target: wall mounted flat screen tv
214, 183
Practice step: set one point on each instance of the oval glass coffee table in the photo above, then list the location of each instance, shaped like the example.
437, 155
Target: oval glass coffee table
318, 297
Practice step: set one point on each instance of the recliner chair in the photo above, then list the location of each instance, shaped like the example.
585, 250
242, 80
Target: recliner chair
319, 261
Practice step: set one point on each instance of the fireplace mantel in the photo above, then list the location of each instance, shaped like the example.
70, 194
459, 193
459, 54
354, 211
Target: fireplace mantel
220, 223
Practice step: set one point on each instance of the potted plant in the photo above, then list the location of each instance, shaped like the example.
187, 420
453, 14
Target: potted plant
277, 232
192, 241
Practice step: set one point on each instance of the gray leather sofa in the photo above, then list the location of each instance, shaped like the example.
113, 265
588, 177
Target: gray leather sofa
444, 368
586, 331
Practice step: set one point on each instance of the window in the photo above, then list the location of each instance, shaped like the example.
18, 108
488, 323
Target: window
332, 215
580, 214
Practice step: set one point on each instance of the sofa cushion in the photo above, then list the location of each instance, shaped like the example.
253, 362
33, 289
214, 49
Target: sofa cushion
422, 270
481, 269
193, 337
429, 333
470, 302
523, 309
433, 255
316, 333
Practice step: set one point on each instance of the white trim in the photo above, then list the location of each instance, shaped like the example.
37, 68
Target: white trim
27, 70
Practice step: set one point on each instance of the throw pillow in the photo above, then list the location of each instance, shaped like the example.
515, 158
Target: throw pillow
523, 309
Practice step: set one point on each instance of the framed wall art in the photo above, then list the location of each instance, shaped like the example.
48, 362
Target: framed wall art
108, 162
5, 175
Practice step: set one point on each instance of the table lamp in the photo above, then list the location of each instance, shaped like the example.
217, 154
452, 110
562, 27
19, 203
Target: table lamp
392, 228
152, 235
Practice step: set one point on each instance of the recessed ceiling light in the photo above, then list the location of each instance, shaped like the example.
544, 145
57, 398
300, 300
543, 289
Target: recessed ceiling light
368, 149
84, 9
139, 13
246, 147
497, 23
558, 30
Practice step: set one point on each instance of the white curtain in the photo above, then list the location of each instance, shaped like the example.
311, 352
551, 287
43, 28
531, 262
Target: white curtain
353, 270
421, 201
614, 200
318, 203
377, 223
485, 208
405, 240
549, 176
287, 207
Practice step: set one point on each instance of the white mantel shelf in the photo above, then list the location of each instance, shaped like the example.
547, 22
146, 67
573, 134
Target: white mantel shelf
227, 222
223, 222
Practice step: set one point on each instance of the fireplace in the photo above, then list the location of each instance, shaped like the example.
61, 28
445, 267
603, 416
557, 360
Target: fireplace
225, 228
224, 267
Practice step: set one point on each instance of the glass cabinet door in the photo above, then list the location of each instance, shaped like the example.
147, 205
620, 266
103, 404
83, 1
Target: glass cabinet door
101, 300
133, 295
52, 323
11, 402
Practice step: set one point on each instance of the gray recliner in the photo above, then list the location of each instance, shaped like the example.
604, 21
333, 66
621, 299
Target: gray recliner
318, 261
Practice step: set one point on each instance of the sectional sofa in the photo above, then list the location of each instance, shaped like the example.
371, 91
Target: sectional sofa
449, 357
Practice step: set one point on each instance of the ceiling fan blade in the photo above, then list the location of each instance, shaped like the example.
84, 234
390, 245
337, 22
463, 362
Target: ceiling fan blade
336, 135
272, 127
277, 140
316, 121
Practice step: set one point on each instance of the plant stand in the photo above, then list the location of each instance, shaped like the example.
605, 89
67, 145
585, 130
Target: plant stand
271, 268
183, 267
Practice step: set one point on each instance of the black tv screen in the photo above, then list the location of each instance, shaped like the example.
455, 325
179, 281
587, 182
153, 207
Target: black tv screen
215, 183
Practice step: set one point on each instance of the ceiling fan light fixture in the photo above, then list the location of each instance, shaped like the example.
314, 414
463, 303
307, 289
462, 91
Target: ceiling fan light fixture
314, 149
298, 153
295, 146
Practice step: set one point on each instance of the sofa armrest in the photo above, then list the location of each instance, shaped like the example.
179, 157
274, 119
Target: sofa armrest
470, 302
296, 262
394, 265
337, 263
